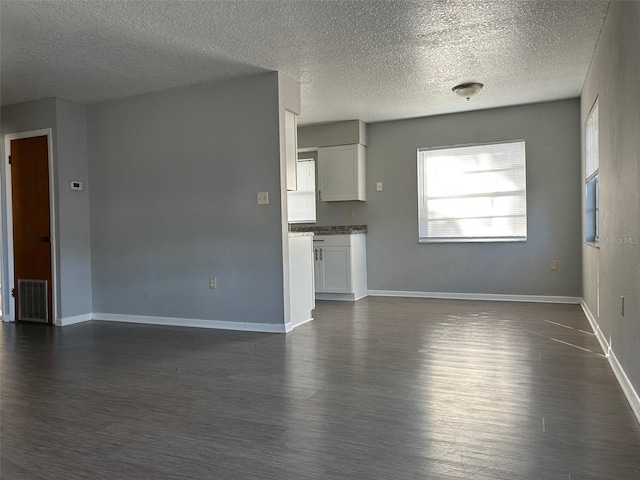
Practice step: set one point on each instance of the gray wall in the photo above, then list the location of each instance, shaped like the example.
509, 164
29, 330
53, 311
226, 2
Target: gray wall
174, 177
395, 259
613, 78
67, 121
74, 249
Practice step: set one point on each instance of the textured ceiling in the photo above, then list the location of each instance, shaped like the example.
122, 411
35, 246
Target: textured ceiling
372, 60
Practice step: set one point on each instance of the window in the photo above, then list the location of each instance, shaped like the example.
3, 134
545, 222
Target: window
592, 168
301, 203
473, 193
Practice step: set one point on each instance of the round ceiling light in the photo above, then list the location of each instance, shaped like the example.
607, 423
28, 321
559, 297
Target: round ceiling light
468, 90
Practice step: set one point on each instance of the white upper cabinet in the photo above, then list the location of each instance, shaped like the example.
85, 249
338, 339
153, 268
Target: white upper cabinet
291, 149
341, 173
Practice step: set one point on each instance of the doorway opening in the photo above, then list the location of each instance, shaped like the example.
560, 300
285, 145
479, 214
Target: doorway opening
29, 294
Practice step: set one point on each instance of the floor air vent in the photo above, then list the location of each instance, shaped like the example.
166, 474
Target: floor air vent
32, 300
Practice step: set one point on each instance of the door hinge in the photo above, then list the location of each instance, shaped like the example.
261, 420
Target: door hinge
13, 292
9, 159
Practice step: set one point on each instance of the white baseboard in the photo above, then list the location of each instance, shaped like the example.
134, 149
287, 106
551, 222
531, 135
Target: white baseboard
191, 322
626, 385
338, 297
476, 296
85, 317
596, 328
290, 326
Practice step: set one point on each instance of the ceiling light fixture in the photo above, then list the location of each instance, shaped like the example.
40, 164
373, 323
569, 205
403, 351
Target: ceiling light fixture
468, 90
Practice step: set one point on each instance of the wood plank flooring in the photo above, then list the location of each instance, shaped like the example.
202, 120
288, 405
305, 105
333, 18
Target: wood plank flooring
381, 389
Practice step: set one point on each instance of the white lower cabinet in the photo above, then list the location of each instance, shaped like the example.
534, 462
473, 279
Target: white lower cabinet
333, 274
301, 267
340, 263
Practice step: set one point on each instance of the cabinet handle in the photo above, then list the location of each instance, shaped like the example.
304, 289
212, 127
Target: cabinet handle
315, 250
320, 254
319, 194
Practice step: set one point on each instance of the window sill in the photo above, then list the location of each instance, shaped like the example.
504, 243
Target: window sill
472, 240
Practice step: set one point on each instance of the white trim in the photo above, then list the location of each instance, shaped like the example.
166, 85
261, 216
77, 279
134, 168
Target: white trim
284, 213
339, 297
626, 385
596, 328
192, 322
85, 317
307, 149
476, 296
290, 326
9, 307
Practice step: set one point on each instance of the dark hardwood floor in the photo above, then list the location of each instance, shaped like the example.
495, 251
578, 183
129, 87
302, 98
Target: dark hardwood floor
381, 389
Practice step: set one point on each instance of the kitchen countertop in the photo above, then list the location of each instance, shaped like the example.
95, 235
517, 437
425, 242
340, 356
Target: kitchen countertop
300, 234
329, 230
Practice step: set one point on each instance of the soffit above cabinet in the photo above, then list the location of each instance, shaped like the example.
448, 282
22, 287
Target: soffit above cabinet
333, 133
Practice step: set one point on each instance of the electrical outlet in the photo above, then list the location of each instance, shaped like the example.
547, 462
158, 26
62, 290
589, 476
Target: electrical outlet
622, 306
378, 186
351, 214
263, 198
553, 265
212, 282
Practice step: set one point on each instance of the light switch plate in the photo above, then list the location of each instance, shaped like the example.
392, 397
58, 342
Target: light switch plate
263, 198
378, 186
76, 185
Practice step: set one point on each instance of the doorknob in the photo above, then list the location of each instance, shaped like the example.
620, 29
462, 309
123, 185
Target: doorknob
45, 239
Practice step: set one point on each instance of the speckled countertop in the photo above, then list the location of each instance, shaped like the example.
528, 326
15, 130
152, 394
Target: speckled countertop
332, 230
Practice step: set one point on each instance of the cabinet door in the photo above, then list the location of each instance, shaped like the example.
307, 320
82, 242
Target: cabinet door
317, 270
335, 270
337, 173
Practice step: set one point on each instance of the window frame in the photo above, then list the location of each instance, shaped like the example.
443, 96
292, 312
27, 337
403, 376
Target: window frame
478, 239
592, 178
304, 157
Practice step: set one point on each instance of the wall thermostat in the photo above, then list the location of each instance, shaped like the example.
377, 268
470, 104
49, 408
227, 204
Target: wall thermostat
77, 185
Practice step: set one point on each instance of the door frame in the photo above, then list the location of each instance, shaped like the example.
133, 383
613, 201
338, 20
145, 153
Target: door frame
8, 307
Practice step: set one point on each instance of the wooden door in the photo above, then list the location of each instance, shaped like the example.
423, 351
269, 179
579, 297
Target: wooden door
31, 229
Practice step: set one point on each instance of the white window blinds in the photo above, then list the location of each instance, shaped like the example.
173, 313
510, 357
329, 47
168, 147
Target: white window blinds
472, 193
301, 203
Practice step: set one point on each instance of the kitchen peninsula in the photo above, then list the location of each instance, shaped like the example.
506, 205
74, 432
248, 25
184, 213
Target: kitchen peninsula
339, 261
